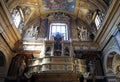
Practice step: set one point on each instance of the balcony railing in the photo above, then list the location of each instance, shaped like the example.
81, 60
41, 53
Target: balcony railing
57, 64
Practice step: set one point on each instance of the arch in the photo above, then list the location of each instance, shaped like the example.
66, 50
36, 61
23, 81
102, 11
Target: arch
112, 52
4, 54
3, 66
2, 59
100, 5
18, 65
8, 57
116, 63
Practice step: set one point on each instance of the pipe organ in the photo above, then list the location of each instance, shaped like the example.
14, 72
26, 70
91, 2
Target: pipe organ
58, 57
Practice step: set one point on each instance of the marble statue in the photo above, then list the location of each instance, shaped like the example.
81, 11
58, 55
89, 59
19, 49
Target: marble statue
21, 68
83, 34
32, 32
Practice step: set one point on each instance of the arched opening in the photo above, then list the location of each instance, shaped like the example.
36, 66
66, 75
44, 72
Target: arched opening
2, 59
2, 66
113, 61
116, 66
113, 66
110, 60
16, 68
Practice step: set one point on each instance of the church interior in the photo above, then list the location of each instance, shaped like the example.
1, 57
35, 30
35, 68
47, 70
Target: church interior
59, 40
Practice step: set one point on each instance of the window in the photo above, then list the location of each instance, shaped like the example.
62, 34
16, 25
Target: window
99, 18
97, 22
60, 28
16, 16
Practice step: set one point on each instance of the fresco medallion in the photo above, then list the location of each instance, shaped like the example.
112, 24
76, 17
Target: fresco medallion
67, 5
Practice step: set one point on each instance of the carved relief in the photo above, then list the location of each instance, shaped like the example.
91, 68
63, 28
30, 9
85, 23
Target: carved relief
83, 34
32, 32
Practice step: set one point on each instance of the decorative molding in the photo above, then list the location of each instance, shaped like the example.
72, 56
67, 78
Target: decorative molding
1, 30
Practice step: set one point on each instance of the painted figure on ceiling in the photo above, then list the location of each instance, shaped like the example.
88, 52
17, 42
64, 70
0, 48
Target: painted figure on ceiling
58, 5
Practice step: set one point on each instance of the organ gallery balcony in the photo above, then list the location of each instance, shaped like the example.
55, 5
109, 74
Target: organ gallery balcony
57, 64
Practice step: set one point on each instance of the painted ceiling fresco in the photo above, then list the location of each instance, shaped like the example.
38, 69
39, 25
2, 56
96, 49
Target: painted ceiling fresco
67, 5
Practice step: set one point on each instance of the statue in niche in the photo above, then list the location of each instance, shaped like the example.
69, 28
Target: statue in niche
91, 67
58, 44
21, 68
